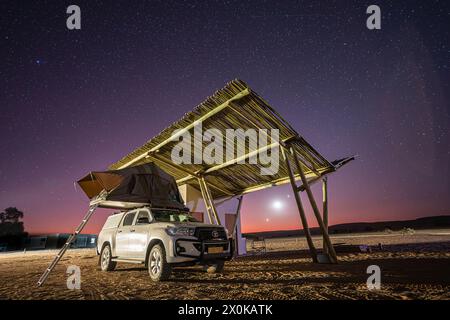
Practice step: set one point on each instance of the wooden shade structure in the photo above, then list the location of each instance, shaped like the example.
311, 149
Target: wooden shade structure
235, 106
232, 107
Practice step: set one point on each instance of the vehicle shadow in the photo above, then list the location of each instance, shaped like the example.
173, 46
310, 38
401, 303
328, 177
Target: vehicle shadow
393, 271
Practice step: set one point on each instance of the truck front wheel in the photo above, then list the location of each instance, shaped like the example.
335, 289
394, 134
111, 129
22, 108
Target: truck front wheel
106, 262
158, 268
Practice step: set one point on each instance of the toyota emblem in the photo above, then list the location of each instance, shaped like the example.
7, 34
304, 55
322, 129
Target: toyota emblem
215, 234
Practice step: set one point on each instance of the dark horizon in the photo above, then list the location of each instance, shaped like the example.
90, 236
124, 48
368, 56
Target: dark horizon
313, 230
371, 224
77, 101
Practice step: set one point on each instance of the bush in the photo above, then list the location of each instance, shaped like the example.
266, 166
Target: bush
406, 231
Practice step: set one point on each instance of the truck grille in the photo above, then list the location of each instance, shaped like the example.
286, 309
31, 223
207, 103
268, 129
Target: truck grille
210, 234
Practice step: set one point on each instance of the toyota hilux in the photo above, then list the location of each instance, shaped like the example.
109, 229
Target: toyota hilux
162, 239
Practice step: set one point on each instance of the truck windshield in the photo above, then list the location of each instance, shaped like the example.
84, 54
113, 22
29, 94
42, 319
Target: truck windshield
172, 216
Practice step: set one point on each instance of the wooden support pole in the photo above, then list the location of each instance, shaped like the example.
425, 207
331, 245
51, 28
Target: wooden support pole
328, 243
205, 200
301, 211
211, 202
325, 208
238, 212
234, 234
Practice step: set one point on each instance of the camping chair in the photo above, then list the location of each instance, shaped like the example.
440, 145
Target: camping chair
259, 245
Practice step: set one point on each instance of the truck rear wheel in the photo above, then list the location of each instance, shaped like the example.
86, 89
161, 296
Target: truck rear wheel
158, 268
106, 263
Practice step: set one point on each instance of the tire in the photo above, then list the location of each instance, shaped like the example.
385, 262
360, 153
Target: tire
158, 268
217, 267
106, 263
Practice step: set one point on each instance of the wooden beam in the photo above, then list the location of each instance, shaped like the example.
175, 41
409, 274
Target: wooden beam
241, 158
191, 174
329, 245
282, 143
223, 200
276, 182
213, 185
301, 211
301, 188
262, 186
188, 127
293, 138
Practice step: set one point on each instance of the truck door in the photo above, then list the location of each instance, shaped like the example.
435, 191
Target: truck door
139, 237
123, 235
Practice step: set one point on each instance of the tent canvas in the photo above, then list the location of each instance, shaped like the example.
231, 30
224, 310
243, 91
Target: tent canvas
145, 184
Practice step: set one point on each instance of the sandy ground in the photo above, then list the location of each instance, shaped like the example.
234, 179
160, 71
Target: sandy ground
413, 267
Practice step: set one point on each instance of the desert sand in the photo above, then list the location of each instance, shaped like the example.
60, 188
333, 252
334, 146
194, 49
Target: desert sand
415, 266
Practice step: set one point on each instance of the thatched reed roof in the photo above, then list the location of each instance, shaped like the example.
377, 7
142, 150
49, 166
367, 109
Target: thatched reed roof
234, 106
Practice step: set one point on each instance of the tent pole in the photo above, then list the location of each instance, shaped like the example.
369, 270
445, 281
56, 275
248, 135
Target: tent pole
211, 201
330, 247
301, 211
325, 208
205, 200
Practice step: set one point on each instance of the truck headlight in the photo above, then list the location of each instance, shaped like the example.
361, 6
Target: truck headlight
180, 231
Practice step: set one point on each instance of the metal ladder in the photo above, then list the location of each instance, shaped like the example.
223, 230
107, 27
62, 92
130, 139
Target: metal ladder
66, 246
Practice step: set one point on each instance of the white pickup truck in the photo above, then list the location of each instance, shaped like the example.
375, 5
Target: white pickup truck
162, 239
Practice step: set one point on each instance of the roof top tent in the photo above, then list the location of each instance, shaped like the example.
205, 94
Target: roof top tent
234, 106
132, 187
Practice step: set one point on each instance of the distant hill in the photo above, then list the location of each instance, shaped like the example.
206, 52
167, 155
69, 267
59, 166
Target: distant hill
435, 222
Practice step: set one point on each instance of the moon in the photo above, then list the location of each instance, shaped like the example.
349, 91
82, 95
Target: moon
277, 205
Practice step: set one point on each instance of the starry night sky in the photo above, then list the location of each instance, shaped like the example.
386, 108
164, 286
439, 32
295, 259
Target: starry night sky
75, 101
